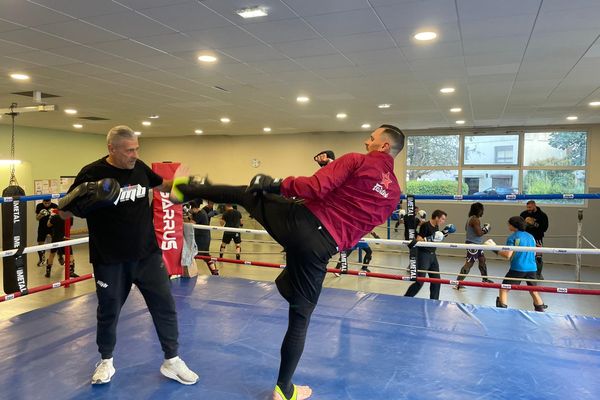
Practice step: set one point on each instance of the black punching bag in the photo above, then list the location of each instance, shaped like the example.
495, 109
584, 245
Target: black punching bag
14, 236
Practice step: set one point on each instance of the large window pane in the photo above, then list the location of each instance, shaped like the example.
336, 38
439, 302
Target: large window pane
438, 182
553, 181
432, 151
555, 148
491, 149
498, 182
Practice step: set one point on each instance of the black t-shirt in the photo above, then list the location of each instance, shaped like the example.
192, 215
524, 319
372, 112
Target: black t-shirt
43, 222
232, 218
426, 230
57, 230
540, 223
124, 232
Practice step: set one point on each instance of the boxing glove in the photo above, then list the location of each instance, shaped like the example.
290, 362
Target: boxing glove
264, 184
438, 236
450, 228
490, 242
90, 196
486, 228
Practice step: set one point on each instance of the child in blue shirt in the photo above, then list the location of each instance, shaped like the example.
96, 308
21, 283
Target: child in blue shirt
522, 263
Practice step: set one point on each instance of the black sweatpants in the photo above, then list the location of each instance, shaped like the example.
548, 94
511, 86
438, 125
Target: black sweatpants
113, 284
426, 261
308, 249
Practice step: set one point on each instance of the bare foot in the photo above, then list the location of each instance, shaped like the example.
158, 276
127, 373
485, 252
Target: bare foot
303, 393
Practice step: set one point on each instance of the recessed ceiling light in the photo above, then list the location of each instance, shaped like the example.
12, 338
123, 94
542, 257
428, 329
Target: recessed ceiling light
198, 131
595, 103
266, 129
447, 90
207, 58
365, 126
341, 115
137, 133
225, 120
70, 111
302, 99
456, 109
78, 126
19, 77
425, 36
384, 105
572, 117
460, 122
146, 123
154, 116
252, 12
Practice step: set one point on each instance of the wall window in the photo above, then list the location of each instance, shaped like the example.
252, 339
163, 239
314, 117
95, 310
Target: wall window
498, 164
504, 154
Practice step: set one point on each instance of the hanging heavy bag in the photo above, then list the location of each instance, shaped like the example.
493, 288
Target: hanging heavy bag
14, 236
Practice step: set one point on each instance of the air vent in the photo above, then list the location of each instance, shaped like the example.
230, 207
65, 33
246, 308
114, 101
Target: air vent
30, 94
94, 118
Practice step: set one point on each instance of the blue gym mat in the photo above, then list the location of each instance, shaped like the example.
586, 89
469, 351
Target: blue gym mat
360, 346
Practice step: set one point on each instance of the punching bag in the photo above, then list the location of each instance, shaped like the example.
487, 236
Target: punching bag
14, 236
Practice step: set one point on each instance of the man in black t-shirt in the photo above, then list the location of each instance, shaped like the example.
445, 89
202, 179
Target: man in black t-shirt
202, 236
124, 251
537, 225
426, 257
42, 214
231, 218
57, 232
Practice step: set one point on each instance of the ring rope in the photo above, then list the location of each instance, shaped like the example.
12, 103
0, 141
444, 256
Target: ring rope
441, 245
548, 289
48, 286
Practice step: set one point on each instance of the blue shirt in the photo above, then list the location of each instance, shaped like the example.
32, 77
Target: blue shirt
523, 261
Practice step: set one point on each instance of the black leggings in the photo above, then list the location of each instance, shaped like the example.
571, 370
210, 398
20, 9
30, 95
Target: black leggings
308, 249
426, 261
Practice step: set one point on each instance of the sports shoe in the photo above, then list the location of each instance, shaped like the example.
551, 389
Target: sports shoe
365, 269
486, 280
458, 287
41, 262
104, 371
61, 259
72, 273
48, 270
176, 369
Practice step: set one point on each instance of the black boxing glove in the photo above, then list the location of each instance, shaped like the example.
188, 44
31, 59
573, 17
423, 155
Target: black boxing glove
329, 157
264, 184
90, 196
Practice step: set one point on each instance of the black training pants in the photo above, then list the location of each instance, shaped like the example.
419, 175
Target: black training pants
308, 249
113, 284
426, 261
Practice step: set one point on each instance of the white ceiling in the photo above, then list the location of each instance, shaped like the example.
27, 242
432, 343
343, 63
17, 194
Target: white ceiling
512, 62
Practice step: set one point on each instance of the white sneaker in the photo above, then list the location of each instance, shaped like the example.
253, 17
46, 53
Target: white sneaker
104, 371
176, 369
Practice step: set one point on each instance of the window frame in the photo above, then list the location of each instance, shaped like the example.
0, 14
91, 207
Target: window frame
519, 165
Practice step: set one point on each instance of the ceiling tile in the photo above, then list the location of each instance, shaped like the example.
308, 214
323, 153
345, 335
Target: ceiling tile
288, 30
82, 8
324, 62
519, 25
36, 40
306, 8
227, 8
306, 48
43, 58
254, 53
363, 42
29, 14
186, 17
427, 13
568, 20
129, 24
485, 9
79, 31
127, 49
223, 38
346, 23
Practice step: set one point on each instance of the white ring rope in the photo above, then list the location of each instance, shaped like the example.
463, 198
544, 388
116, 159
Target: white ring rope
40, 247
440, 245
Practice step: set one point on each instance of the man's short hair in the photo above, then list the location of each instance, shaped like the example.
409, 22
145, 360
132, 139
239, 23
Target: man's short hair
438, 213
119, 132
396, 137
531, 202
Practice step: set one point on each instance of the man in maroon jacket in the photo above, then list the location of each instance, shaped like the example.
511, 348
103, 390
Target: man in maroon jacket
333, 210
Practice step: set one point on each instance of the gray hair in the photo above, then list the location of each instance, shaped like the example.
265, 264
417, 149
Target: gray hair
120, 132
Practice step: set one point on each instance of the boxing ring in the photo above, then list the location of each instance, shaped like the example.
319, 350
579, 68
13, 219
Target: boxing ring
360, 345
